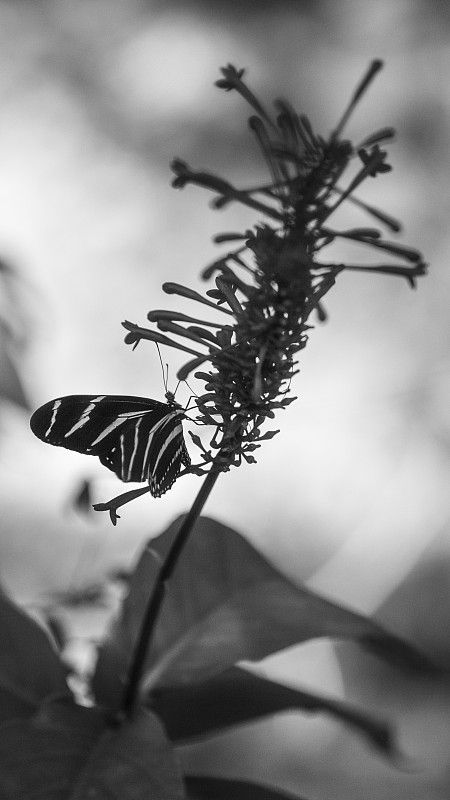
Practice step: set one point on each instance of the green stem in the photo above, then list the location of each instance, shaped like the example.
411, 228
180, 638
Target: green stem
157, 596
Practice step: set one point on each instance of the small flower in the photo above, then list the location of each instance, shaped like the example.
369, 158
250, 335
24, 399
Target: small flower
267, 288
374, 160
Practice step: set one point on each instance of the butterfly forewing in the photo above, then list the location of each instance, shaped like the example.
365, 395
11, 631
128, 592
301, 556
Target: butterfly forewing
139, 439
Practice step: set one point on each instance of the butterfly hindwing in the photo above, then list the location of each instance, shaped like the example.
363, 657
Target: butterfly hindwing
139, 439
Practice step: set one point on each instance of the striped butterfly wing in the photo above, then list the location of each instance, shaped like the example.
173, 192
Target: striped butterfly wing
137, 438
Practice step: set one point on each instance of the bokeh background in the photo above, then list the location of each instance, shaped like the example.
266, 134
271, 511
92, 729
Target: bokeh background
96, 98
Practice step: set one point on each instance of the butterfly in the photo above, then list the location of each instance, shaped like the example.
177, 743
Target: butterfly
139, 439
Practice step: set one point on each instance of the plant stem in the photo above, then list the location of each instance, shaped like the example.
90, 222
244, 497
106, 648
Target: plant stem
157, 596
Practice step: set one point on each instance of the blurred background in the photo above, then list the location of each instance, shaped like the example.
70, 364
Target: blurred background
96, 98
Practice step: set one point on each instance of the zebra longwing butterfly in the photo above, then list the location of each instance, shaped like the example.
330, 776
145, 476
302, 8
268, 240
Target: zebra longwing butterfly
137, 438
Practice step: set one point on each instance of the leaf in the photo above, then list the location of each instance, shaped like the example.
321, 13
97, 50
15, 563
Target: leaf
225, 603
13, 705
237, 696
67, 752
203, 788
30, 669
45, 753
134, 762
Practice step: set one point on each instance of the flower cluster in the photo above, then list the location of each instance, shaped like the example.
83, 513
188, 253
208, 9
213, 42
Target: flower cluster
267, 287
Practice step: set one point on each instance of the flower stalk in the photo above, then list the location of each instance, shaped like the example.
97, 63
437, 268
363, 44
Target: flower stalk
150, 618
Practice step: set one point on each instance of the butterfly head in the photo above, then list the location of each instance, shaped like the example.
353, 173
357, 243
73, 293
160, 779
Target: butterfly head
170, 399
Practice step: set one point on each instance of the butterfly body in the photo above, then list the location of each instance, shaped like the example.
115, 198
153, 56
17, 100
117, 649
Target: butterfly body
139, 439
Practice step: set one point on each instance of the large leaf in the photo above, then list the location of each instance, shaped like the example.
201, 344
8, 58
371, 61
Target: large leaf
67, 752
30, 669
237, 696
134, 762
225, 603
13, 703
203, 788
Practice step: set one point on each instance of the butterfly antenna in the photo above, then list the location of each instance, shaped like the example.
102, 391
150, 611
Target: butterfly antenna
166, 379
165, 370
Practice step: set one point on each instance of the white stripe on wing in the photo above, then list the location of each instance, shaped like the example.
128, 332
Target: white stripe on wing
85, 416
56, 405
